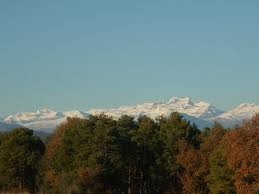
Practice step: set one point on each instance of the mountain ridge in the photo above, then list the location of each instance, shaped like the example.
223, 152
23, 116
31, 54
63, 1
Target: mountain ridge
200, 112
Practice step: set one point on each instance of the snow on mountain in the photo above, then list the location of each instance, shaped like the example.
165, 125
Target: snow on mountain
201, 113
202, 110
237, 115
44, 119
75, 113
39, 115
44, 125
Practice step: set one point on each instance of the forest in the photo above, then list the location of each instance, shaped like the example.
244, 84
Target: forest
103, 155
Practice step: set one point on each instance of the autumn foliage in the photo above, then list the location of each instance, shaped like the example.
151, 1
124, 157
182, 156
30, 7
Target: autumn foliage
242, 147
168, 155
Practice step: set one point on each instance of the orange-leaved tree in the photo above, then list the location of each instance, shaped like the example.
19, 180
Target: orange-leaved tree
242, 146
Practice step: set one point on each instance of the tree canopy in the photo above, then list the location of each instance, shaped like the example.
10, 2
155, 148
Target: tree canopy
20, 154
101, 154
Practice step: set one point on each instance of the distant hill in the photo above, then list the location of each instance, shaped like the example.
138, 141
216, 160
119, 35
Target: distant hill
7, 126
203, 114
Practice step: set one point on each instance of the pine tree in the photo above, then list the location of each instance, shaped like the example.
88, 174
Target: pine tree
20, 153
220, 179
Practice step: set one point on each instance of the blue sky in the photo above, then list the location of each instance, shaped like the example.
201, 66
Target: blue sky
99, 54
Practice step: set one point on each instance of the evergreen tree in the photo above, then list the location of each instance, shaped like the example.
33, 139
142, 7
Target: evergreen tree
220, 179
173, 129
20, 153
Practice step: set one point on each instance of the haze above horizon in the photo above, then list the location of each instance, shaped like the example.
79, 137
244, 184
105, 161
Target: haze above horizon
103, 54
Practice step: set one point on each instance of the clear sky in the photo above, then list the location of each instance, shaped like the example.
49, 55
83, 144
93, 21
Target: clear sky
99, 54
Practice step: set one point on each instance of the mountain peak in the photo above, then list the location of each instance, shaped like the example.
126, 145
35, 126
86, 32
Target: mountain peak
199, 110
44, 110
246, 105
75, 113
182, 105
184, 100
237, 115
173, 99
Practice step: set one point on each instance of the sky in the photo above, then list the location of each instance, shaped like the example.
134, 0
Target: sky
69, 55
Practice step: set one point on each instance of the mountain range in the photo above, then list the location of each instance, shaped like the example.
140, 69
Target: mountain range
201, 113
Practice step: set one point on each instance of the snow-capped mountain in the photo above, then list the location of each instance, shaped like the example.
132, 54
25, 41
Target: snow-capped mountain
237, 115
44, 119
202, 110
28, 117
201, 113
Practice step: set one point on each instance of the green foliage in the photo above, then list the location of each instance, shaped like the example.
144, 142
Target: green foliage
104, 155
172, 130
220, 177
20, 153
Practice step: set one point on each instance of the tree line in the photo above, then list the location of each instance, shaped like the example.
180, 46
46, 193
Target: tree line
168, 155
